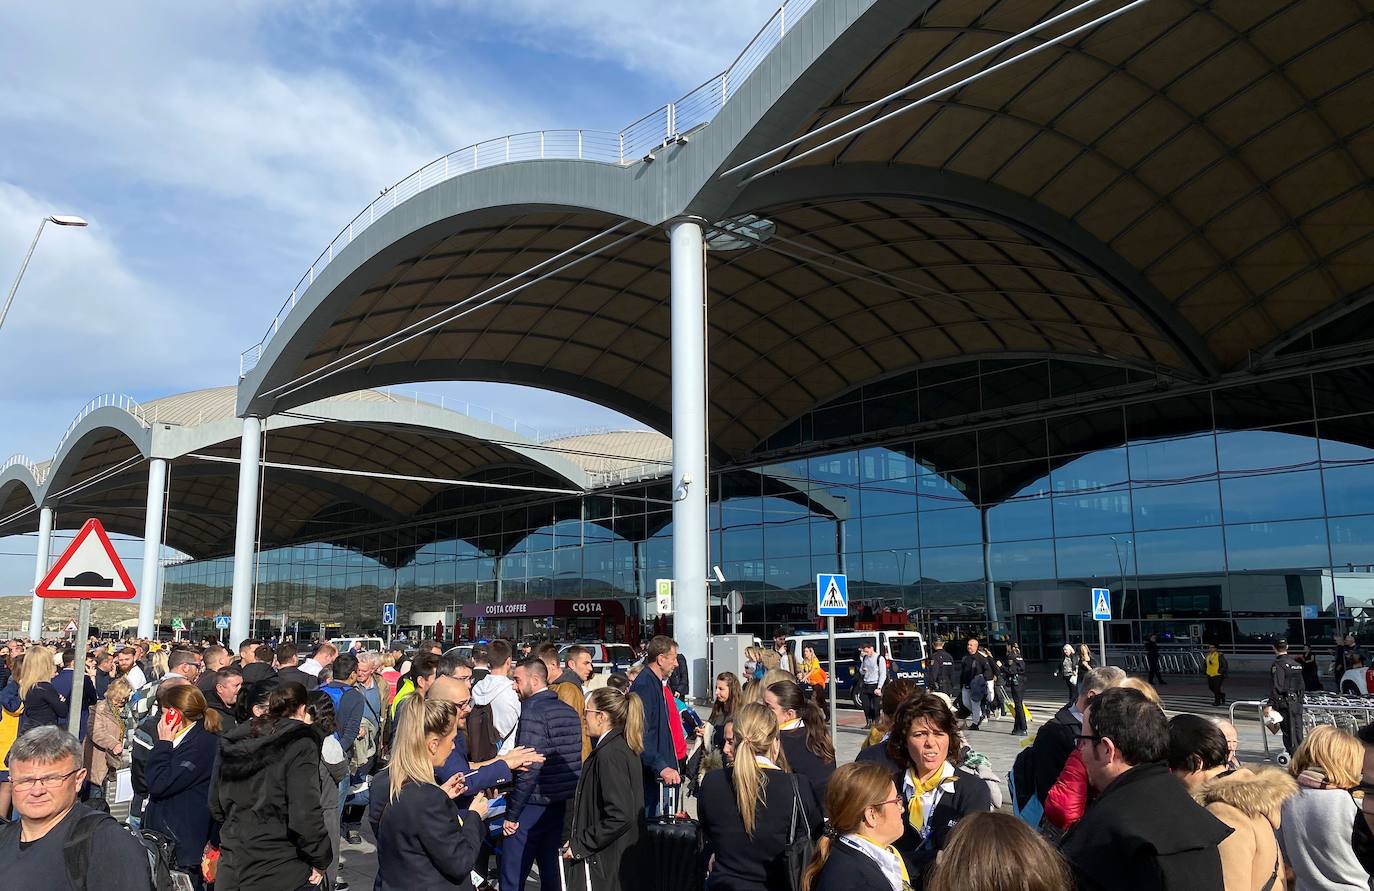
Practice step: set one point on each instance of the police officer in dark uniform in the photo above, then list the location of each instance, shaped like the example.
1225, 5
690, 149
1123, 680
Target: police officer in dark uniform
1285, 694
940, 670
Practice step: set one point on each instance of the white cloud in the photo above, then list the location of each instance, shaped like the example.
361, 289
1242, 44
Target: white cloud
191, 96
83, 322
680, 43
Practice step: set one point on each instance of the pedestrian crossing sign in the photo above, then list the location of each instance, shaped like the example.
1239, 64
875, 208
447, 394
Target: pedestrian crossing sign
832, 595
1102, 604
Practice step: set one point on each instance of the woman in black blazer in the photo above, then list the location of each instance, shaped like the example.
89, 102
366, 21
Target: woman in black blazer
178, 774
424, 842
922, 754
805, 737
856, 852
746, 810
610, 792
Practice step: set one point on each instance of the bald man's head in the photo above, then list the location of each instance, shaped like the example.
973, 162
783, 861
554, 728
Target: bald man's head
451, 690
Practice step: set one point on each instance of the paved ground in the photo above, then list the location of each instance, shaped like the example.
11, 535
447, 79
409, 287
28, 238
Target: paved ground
994, 740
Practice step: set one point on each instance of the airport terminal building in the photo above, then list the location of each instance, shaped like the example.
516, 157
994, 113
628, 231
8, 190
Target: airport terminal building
984, 304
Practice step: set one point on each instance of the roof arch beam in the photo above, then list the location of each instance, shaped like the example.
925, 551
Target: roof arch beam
963, 193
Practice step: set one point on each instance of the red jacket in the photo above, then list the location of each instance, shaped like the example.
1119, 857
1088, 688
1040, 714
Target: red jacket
1068, 796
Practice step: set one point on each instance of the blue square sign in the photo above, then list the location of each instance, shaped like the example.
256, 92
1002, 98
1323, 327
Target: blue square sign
388, 614
1102, 604
832, 595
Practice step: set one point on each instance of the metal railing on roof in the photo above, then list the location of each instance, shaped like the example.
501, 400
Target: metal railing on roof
21, 461
634, 143
105, 400
465, 408
635, 473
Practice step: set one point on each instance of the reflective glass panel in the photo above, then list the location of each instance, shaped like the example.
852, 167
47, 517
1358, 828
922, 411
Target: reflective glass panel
1272, 496
955, 564
1173, 460
1294, 544
1168, 507
1180, 551
1266, 450
1022, 561
1352, 542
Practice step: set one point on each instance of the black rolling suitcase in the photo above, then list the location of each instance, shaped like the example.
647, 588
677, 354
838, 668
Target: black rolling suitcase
670, 848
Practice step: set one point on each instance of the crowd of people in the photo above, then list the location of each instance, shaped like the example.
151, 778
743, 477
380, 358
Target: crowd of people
256, 769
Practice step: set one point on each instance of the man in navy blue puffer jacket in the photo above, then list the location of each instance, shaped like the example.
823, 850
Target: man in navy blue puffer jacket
534, 810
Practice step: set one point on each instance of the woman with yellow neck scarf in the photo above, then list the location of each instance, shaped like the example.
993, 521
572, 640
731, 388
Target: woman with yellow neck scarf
922, 756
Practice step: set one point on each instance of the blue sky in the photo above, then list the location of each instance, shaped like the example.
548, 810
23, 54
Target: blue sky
217, 147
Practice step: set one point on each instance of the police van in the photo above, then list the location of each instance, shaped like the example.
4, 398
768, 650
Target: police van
904, 651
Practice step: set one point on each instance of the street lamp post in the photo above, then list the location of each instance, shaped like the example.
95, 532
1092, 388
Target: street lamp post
1121, 568
55, 219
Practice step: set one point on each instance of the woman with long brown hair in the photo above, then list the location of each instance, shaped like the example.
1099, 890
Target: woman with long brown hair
610, 795
998, 852
805, 737
178, 773
746, 809
856, 853
723, 705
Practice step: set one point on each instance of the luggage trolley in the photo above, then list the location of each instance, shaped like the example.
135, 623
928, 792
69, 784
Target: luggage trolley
1349, 713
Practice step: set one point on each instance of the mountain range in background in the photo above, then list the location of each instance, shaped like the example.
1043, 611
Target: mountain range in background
105, 614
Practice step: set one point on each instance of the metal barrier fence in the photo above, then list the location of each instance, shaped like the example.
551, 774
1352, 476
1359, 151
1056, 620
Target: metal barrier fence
634, 143
1170, 661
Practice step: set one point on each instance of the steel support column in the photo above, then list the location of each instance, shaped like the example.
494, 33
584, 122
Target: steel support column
245, 533
40, 569
691, 600
152, 548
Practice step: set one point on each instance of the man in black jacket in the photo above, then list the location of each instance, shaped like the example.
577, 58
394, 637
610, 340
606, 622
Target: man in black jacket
1057, 737
1152, 660
940, 670
288, 668
534, 810
1144, 832
975, 676
225, 695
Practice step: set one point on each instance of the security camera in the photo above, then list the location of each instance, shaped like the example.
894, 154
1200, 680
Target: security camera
720, 576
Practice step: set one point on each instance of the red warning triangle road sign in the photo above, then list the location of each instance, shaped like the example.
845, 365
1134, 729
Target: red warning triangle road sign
88, 569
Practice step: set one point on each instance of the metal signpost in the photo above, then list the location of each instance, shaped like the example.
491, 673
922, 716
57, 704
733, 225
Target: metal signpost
221, 625
389, 620
1102, 612
88, 570
832, 599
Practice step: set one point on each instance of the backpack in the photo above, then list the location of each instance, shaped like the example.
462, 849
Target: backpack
76, 851
483, 740
335, 695
1021, 785
162, 860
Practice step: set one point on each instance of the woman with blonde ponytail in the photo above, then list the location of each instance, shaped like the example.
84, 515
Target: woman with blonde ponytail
423, 839
856, 852
746, 809
610, 792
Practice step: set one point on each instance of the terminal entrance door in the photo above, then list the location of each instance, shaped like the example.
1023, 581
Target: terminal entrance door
1042, 635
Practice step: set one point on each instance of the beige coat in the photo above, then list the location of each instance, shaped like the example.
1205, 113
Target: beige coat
1249, 802
106, 732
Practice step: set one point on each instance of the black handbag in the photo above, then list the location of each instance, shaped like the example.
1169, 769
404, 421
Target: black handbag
800, 847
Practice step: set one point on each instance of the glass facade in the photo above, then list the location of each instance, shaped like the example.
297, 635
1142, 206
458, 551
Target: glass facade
1238, 514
